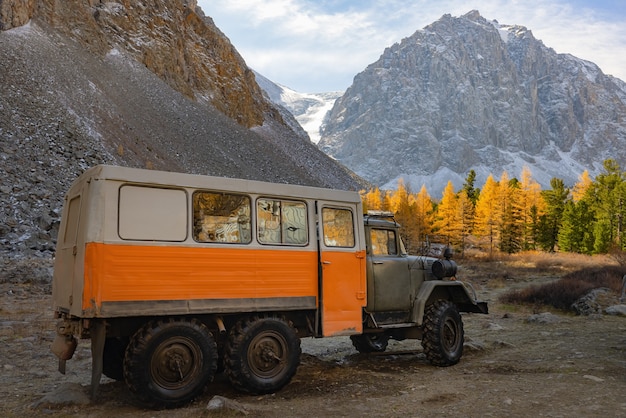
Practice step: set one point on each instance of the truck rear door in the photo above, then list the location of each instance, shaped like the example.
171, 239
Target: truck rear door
67, 271
342, 279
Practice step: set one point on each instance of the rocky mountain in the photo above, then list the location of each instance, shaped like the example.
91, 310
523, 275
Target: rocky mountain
309, 109
467, 93
139, 83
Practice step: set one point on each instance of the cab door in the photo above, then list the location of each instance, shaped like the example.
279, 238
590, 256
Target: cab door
342, 266
390, 273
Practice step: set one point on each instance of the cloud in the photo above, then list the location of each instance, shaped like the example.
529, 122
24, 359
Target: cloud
321, 45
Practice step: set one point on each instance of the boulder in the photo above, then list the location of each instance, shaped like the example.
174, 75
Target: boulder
588, 304
220, 403
619, 310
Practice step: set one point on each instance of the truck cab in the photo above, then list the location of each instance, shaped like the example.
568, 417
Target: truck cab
411, 296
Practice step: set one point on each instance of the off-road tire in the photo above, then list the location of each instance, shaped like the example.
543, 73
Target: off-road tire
113, 357
169, 362
443, 333
262, 354
370, 343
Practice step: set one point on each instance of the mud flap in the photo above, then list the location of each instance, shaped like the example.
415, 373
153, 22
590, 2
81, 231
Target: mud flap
98, 335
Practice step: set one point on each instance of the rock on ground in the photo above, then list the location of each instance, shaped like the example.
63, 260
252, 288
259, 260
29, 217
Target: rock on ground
64, 395
619, 310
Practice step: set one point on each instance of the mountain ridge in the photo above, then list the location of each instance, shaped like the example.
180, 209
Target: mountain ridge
466, 93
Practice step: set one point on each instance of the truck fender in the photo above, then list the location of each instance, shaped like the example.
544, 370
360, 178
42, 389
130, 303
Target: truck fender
453, 291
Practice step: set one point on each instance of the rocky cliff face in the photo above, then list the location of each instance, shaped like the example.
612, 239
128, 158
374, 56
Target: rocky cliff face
139, 83
173, 39
465, 93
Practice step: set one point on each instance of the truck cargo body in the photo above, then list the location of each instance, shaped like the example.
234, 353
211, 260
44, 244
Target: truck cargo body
142, 243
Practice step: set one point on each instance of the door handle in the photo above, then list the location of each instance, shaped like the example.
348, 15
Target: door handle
378, 262
326, 262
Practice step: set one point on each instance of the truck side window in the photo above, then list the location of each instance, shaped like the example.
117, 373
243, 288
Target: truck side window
383, 242
338, 227
152, 213
221, 217
281, 222
73, 215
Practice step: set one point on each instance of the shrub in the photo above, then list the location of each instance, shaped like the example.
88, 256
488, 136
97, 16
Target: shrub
562, 293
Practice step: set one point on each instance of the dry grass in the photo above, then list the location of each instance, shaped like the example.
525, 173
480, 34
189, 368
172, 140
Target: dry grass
564, 277
498, 270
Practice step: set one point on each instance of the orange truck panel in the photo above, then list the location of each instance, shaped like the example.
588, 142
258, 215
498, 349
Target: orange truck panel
116, 272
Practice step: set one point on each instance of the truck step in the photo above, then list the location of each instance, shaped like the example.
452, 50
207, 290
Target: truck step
403, 325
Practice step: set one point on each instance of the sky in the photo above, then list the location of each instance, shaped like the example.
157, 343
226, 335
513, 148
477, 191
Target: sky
315, 46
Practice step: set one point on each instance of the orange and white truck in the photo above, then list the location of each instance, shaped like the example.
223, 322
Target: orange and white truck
172, 275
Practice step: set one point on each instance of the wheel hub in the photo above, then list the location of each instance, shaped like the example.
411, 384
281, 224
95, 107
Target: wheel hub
266, 355
174, 364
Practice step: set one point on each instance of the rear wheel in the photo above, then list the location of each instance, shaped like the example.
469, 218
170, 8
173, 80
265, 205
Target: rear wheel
262, 354
168, 363
370, 343
443, 333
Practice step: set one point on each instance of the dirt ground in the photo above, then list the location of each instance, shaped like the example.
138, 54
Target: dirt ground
515, 363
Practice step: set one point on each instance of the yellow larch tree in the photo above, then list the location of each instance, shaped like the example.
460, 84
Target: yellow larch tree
402, 204
447, 221
509, 223
372, 200
487, 214
531, 207
580, 188
386, 201
424, 214
398, 198
466, 216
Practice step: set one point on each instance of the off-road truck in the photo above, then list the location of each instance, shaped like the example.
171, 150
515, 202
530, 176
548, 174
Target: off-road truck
172, 276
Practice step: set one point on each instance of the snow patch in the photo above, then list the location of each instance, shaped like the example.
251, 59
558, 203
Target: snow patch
25, 29
543, 170
309, 109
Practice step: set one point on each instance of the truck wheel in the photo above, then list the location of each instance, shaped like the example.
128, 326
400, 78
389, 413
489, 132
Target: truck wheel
443, 333
169, 362
262, 354
113, 357
370, 343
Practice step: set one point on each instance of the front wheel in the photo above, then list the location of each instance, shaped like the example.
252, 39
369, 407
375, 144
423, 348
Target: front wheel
262, 354
443, 333
169, 362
